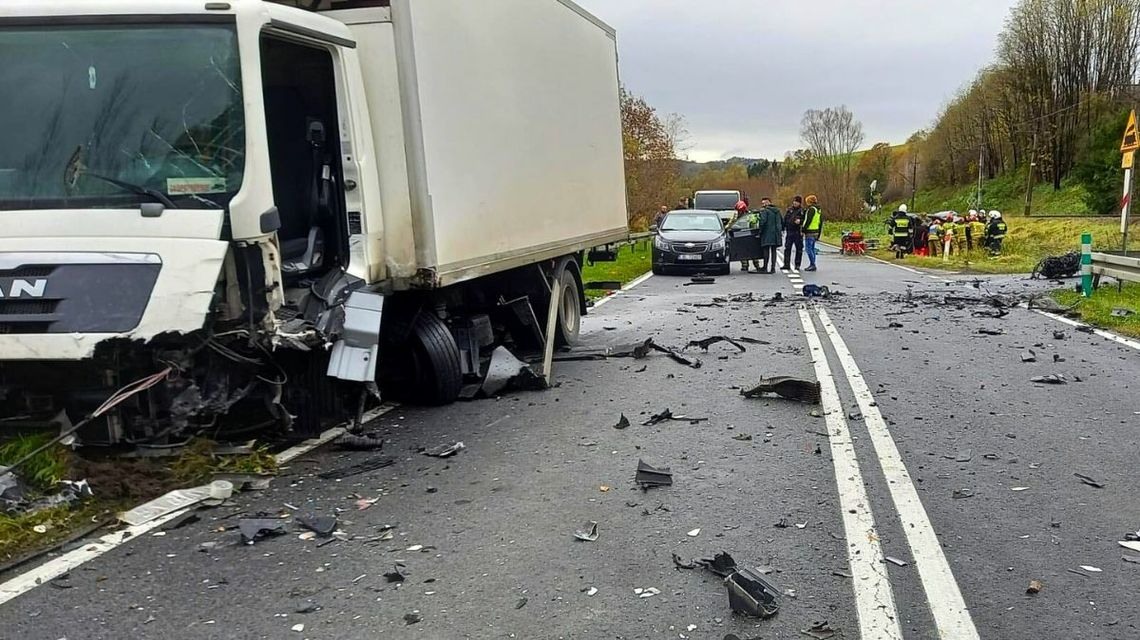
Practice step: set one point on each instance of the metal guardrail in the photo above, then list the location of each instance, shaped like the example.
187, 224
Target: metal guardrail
1115, 265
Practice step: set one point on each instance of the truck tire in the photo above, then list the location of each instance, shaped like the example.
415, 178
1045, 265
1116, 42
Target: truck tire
425, 369
569, 322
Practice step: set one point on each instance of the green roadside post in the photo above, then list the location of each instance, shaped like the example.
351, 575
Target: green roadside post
1086, 264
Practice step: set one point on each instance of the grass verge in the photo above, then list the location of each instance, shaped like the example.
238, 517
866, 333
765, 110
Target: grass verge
1097, 310
632, 261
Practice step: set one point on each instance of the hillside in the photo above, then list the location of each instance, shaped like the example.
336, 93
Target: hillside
1006, 194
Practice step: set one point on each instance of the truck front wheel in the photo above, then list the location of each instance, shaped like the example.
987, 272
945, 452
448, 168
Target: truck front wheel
424, 369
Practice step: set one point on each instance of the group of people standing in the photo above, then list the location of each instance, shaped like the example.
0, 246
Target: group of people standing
798, 228
945, 234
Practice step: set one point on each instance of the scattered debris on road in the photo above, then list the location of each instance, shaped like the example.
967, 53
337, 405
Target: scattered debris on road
254, 529
650, 476
589, 533
960, 494
413, 618
323, 526
1089, 481
396, 574
896, 561
700, 280
680, 563
1034, 587
362, 442
1056, 267
694, 533
749, 594
1091, 569
991, 332
786, 387
1059, 335
445, 450
743, 437
667, 416
816, 291
341, 473
521, 603
646, 592
721, 564
1052, 378
163, 505
1028, 356
622, 423
506, 372
705, 343
820, 630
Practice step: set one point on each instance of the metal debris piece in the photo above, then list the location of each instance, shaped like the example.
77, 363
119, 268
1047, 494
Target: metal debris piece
786, 387
679, 563
896, 561
1089, 481
820, 630
650, 476
1132, 559
674, 354
1034, 587
700, 280
705, 343
1059, 335
1084, 328
751, 595
445, 450
962, 493
747, 340
622, 423
743, 437
647, 592
1132, 545
667, 415
521, 603
363, 442
413, 618
396, 574
1052, 378
991, 332
1028, 356
592, 591
694, 533
1091, 569
363, 467
506, 372
323, 526
589, 533
721, 564
253, 529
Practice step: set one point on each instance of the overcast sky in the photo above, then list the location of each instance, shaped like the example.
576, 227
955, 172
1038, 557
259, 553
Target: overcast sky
742, 72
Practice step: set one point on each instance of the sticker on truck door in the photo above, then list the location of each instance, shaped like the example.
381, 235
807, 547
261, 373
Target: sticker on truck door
191, 186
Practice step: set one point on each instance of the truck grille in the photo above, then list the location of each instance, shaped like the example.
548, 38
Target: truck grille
28, 271
7, 328
697, 247
27, 307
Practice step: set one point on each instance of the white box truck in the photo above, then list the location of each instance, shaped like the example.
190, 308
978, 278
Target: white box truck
262, 202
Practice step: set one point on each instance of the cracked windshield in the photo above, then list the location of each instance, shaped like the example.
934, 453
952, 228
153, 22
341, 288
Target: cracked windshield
107, 116
569, 320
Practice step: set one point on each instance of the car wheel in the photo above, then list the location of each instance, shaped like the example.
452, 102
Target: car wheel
724, 270
658, 270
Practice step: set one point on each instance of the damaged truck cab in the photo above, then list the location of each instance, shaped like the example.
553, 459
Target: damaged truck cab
276, 205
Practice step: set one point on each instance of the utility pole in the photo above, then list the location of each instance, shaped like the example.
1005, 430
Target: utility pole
1029, 179
913, 179
981, 157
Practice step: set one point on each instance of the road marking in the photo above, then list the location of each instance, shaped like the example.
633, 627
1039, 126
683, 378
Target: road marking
67, 562
951, 617
898, 266
1100, 332
874, 600
629, 285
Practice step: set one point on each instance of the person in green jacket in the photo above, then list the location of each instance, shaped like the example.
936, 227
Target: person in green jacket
771, 232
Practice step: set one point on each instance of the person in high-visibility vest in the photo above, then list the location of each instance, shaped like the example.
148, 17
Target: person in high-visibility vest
813, 227
901, 233
995, 233
948, 229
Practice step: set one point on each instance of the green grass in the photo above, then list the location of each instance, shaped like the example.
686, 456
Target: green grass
43, 470
1006, 194
1097, 310
1028, 240
197, 463
633, 261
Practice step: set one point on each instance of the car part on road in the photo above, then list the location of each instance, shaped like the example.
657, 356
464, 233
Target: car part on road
721, 564
1056, 267
253, 529
1028, 356
396, 574
680, 563
667, 415
960, 494
649, 476
1052, 378
701, 280
1089, 481
1034, 587
622, 423
816, 291
674, 354
646, 592
694, 533
991, 332
323, 526
896, 561
507, 372
705, 343
445, 450
786, 387
588, 533
362, 442
413, 618
169, 503
341, 473
751, 595
820, 631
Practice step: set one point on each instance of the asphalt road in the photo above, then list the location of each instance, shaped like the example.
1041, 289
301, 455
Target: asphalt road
815, 501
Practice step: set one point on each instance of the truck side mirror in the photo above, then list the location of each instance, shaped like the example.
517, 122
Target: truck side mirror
653, 228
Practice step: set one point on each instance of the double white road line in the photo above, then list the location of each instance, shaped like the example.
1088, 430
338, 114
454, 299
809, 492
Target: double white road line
878, 618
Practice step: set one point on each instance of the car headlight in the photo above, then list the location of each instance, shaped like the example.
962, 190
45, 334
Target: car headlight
717, 245
660, 244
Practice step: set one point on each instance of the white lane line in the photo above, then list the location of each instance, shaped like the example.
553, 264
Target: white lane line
951, 617
67, 562
874, 600
1100, 332
897, 266
629, 285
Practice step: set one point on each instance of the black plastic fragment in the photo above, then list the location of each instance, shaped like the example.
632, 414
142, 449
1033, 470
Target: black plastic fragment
751, 595
786, 387
650, 476
356, 469
253, 529
622, 423
363, 442
721, 564
705, 343
323, 526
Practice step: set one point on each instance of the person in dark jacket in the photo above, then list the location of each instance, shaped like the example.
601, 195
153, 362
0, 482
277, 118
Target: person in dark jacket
794, 234
771, 233
657, 219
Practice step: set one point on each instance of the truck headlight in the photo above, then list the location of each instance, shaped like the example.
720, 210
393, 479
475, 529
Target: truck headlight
660, 244
717, 245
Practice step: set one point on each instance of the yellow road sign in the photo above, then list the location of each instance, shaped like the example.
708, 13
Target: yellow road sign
1126, 160
1131, 141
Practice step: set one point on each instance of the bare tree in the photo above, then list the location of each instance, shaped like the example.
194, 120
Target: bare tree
833, 135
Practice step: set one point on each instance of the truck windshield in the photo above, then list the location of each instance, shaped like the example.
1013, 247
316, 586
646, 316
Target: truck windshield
98, 116
716, 201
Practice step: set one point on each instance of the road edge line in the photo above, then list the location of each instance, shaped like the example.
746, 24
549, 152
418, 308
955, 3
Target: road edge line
874, 598
951, 616
625, 287
37, 576
1115, 337
897, 266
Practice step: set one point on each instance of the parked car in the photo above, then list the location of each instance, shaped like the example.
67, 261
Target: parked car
691, 240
